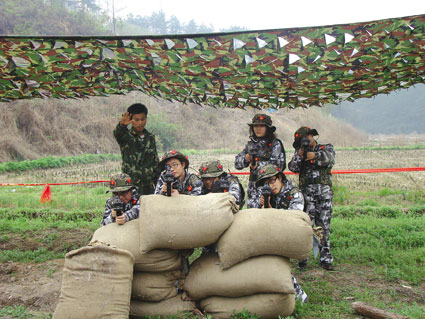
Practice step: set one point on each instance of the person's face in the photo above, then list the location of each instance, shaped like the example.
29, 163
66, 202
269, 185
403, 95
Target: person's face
139, 122
260, 130
275, 183
177, 167
208, 181
124, 196
312, 141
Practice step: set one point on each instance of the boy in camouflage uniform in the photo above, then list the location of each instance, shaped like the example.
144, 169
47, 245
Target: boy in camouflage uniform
263, 148
138, 149
284, 194
313, 162
215, 180
183, 181
126, 196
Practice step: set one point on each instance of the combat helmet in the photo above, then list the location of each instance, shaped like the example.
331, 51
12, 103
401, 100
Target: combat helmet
120, 183
211, 169
268, 171
173, 154
303, 131
262, 119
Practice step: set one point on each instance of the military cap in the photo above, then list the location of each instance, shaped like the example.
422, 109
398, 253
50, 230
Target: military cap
173, 154
262, 119
120, 183
302, 132
211, 169
267, 171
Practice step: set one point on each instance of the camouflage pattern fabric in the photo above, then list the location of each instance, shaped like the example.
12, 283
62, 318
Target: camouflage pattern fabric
131, 209
318, 201
296, 67
191, 185
120, 183
269, 154
317, 170
139, 158
316, 185
299, 292
235, 188
289, 197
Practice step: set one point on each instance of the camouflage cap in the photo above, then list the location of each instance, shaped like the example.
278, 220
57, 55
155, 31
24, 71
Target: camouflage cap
267, 171
120, 183
302, 132
173, 154
211, 169
262, 119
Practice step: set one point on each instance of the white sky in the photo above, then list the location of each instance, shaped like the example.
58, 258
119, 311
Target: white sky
273, 14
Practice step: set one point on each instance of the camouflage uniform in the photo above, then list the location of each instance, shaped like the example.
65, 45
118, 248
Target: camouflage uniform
271, 152
191, 185
289, 197
215, 169
120, 183
316, 185
139, 157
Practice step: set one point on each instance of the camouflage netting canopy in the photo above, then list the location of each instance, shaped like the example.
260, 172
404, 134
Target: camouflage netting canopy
297, 67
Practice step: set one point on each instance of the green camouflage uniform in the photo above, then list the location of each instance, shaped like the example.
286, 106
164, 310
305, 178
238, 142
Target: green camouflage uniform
139, 157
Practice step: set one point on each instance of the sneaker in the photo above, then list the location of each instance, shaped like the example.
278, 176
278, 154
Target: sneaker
302, 296
326, 265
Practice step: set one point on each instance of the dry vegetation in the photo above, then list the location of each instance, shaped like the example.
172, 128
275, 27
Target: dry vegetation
34, 128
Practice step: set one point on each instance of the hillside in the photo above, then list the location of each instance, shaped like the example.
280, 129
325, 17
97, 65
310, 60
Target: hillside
401, 112
34, 128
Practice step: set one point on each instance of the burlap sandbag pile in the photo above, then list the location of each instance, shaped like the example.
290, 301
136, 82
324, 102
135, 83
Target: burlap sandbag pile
96, 283
252, 270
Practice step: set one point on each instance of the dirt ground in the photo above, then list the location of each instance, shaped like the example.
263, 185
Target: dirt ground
37, 286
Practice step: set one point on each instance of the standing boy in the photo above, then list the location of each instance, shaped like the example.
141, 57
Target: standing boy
138, 149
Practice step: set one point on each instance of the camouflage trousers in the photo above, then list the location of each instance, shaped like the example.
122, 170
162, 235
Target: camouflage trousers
299, 292
251, 201
318, 205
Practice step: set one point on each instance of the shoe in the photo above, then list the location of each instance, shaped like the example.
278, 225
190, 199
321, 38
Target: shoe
302, 297
326, 265
302, 264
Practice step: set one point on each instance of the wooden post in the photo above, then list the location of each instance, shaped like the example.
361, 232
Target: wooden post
375, 313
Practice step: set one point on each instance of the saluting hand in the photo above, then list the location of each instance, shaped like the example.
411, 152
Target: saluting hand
125, 119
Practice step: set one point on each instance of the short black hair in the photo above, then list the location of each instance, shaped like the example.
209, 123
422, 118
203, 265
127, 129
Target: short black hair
138, 108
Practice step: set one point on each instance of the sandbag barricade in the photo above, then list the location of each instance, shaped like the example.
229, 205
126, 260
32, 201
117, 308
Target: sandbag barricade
261, 274
184, 222
256, 232
267, 306
96, 283
171, 306
127, 237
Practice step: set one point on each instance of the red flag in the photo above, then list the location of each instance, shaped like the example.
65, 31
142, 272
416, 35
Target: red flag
46, 194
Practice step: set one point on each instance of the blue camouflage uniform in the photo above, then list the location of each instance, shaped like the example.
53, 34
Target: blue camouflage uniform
289, 197
191, 185
131, 209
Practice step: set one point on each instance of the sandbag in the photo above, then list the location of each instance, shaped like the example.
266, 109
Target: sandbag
127, 237
270, 231
183, 221
171, 306
266, 306
262, 274
148, 286
96, 283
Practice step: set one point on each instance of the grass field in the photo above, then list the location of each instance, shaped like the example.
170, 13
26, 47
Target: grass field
378, 233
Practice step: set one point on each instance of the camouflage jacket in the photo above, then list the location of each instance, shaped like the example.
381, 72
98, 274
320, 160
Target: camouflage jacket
192, 184
235, 188
131, 209
273, 153
139, 158
317, 170
289, 197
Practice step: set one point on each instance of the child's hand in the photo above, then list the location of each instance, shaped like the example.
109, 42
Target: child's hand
125, 119
120, 220
247, 158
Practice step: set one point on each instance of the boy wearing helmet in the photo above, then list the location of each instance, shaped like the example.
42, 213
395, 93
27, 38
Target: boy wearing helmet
313, 162
215, 180
284, 195
263, 148
124, 204
183, 181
